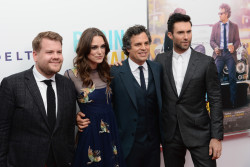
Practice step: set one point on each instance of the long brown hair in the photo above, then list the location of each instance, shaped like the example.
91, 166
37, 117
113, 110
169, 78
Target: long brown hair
81, 60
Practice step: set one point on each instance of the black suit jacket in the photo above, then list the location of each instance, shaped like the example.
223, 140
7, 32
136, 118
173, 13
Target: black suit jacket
196, 126
25, 136
125, 102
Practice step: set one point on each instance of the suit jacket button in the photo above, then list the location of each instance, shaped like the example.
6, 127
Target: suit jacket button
135, 120
133, 134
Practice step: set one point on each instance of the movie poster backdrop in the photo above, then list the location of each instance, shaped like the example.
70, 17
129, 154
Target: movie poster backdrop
204, 14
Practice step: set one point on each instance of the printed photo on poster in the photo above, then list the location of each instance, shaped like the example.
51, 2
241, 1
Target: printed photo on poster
206, 16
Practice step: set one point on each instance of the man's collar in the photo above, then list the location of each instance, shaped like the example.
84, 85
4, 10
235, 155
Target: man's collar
39, 77
221, 23
134, 66
187, 52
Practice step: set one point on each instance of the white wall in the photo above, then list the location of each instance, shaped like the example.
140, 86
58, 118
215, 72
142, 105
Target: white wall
235, 152
21, 21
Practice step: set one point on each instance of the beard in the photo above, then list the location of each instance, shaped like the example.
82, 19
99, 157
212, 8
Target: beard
182, 47
48, 70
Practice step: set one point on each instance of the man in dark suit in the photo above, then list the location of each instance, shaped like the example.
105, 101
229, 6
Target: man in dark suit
136, 101
37, 120
224, 41
187, 77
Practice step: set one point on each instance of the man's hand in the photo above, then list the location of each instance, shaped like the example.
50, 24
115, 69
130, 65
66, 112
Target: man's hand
81, 123
215, 148
118, 63
231, 48
217, 50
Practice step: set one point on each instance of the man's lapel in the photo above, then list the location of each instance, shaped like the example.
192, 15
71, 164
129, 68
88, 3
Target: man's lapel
230, 34
157, 79
35, 93
218, 33
170, 75
128, 80
190, 70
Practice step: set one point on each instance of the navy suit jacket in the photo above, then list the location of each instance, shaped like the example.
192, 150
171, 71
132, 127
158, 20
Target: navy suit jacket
125, 102
25, 136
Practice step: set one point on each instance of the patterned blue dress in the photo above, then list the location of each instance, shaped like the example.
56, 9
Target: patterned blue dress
98, 145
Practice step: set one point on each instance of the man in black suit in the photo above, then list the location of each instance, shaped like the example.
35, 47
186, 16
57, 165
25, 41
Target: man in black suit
137, 101
37, 109
188, 76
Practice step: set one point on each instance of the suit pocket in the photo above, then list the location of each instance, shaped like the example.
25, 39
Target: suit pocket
202, 121
196, 81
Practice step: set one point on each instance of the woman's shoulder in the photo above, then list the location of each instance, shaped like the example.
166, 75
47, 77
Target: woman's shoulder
71, 73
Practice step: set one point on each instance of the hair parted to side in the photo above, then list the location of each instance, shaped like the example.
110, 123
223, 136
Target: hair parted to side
131, 31
227, 9
81, 60
36, 43
177, 17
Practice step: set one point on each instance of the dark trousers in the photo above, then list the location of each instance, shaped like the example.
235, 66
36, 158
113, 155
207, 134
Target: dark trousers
175, 151
144, 154
227, 58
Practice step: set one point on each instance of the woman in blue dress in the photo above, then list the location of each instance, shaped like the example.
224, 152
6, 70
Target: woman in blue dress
98, 144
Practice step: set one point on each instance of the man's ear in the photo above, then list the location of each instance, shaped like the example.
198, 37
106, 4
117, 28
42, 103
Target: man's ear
35, 56
170, 35
128, 50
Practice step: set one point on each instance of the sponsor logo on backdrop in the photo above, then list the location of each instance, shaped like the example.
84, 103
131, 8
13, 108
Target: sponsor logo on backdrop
9, 56
114, 38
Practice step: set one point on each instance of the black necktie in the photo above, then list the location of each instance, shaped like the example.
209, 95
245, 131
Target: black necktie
143, 84
225, 37
51, 104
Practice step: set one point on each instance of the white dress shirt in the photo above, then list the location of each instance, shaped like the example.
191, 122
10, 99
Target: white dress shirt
179, 67
136, 72
43, 87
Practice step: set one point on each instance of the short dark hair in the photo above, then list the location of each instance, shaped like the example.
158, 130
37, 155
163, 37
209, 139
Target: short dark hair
131, 31
227, 9
177, 17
